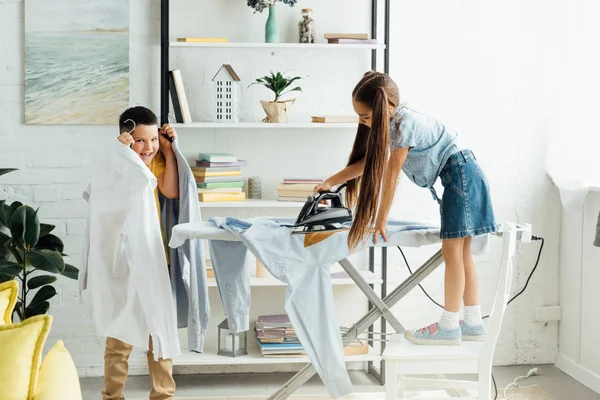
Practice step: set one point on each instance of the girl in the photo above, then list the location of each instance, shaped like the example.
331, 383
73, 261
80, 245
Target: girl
391, 138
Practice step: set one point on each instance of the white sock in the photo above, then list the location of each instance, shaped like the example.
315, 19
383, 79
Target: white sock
473, 315
449, 320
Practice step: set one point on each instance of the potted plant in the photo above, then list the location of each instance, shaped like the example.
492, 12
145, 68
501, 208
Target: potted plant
271, 27
27, 249
277, 111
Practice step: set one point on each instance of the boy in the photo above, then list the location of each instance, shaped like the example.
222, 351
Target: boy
139, 131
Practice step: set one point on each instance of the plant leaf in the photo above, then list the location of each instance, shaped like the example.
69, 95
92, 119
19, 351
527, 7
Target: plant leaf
6, 278
71, 272
4, 238
46, 260
38, 309
45, 293
46, 229
10, 268
40, 281
25, 225
296, 89
6, 170
7, 211
50, 242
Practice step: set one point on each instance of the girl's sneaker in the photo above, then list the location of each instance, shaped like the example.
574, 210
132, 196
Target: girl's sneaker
435, 335
472, 333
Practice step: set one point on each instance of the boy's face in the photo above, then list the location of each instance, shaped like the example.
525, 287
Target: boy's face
145, 142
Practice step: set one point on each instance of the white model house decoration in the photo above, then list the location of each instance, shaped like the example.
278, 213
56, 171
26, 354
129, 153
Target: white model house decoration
227, 92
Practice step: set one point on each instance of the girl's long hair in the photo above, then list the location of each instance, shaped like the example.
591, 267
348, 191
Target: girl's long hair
377, 91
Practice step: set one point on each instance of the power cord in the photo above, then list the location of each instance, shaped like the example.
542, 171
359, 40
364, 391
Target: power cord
532, 372
537, 261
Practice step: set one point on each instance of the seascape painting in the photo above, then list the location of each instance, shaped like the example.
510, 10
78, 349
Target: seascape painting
76, 61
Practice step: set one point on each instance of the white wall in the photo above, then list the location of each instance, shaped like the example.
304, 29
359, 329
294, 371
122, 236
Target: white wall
485, 68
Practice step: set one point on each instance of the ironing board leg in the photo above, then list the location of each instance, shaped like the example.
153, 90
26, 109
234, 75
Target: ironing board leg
371, 295
364, 323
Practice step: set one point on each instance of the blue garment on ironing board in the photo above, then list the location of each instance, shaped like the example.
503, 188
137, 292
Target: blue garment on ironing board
309, 299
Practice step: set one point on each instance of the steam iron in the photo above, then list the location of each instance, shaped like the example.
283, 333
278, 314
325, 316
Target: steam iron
317, 217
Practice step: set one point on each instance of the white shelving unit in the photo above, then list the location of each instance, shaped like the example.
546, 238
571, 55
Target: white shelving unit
251, 206
303, 46
210, 357
270, 281
264, 125
252, 203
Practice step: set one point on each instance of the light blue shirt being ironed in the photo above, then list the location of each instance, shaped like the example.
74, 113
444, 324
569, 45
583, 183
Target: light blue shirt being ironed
429, 141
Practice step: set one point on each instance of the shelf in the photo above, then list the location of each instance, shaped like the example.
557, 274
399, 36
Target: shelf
252, 203
304, 46
270, 281
188, 358
265, 125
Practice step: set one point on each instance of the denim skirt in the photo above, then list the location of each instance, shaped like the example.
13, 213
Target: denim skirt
466, 205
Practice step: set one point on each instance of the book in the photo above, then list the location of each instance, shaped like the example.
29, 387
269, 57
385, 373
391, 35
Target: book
352, 41
207, 170
298, 199
202, 40
297, 186
346, 36
209, 164
220, 190
217, 157
178, 98
213, 185
209, 179
334, 119
216, 174
295, 193
222, 196
302, 180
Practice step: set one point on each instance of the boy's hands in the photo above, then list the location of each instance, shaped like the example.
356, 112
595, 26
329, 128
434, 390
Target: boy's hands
165, 143
126, 139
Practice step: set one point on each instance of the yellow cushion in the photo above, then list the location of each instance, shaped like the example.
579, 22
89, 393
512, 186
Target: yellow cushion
58, 376
21, 348
8, 299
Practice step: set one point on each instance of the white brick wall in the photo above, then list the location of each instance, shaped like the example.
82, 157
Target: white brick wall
460, 65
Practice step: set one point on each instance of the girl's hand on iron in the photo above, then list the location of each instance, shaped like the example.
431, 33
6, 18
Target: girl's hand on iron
323, 187
165, 136
380, 229
126, 139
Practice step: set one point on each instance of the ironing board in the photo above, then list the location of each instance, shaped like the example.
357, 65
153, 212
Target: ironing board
380, 306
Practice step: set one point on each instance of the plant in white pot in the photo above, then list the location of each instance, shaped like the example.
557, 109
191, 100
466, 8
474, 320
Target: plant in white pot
277, 111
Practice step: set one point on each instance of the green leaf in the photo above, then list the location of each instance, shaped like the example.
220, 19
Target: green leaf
46, 260
45, 293
4, 238
25, 225
10, 268
46, 229
50, 242
71, 272
38, 309
2, 204
40, 281
6, 278
7, 212
6, 170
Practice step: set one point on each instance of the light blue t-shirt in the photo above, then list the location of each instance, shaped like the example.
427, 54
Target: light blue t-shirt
430, 145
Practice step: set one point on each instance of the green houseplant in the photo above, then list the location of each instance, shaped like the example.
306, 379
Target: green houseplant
277, 111
27, 250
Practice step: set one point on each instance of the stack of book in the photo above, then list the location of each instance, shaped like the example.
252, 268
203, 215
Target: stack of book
349, 38
219, 177
276, 337
296, 189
